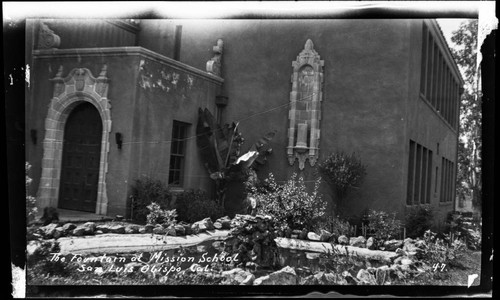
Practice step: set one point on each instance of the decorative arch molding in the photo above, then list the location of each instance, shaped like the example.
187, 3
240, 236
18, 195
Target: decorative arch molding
305, 107
77, 87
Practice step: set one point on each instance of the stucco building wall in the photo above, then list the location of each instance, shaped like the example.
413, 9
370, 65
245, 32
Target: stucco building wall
370, 97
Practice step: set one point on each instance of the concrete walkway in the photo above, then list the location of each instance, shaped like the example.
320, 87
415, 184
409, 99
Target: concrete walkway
126, 243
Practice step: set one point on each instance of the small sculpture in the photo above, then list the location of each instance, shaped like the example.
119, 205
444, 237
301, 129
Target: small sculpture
47, 39
214, 65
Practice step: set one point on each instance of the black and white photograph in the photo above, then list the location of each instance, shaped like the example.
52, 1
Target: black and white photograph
196, 147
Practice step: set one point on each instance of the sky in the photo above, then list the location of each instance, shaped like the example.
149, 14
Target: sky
448, 26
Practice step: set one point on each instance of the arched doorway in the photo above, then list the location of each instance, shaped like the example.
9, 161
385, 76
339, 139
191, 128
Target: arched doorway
79, 179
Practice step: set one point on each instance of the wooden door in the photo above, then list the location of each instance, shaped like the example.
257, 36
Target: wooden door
80, 160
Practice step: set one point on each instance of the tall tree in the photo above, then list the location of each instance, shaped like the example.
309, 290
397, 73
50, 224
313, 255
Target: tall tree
469, 149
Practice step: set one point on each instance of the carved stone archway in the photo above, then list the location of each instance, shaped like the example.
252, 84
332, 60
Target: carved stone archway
79, 86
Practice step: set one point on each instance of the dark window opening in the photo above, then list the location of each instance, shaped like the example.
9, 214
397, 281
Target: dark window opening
447, 180
177, 153
438, 85
411, 169
418, 178
423, 67
429, 177
436, 180
419, 175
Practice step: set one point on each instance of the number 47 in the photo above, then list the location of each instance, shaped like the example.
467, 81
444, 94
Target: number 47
438, 266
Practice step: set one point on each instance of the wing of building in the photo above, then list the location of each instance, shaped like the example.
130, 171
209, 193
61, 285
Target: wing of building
112, 100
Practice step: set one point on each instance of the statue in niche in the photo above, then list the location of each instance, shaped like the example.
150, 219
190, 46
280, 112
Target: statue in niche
306, 81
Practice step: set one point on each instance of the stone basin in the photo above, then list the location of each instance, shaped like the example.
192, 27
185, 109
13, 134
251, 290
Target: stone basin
125, 243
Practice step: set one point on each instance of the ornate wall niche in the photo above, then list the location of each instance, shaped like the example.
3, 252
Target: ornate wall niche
77, 87
305, 107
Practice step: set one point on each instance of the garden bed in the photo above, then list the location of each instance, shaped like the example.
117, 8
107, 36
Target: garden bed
248, 251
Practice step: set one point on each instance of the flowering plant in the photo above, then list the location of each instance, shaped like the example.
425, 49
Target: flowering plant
290, 203
157, 215
383, 225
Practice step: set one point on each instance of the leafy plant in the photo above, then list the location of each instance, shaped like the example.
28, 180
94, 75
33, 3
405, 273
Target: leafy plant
220, 148
418, 220
335, 225
39, 261
31, 209
146, 191
157, 215
465, 228
289, 204
343, 172
438, 251
382, 225
194, 205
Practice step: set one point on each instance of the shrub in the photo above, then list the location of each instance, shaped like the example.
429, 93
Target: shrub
335, 225
464, 227
157, 215
31, 209
290, 204
146, 191
343, 172
418, 220
50, 215
438, 251
39, 262
382, 225
195, 205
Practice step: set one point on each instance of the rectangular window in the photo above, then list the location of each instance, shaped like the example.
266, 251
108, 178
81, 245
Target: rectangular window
177, 153
453, 104
411, 170
437, 84
447, 87
439, 97
436, 180
456, 100
429, 177
435, 77
423, 62
418, 178
419, 175
443, 181
452, 182
430, 60
445, 101
449, 110
423, 184
447, 180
